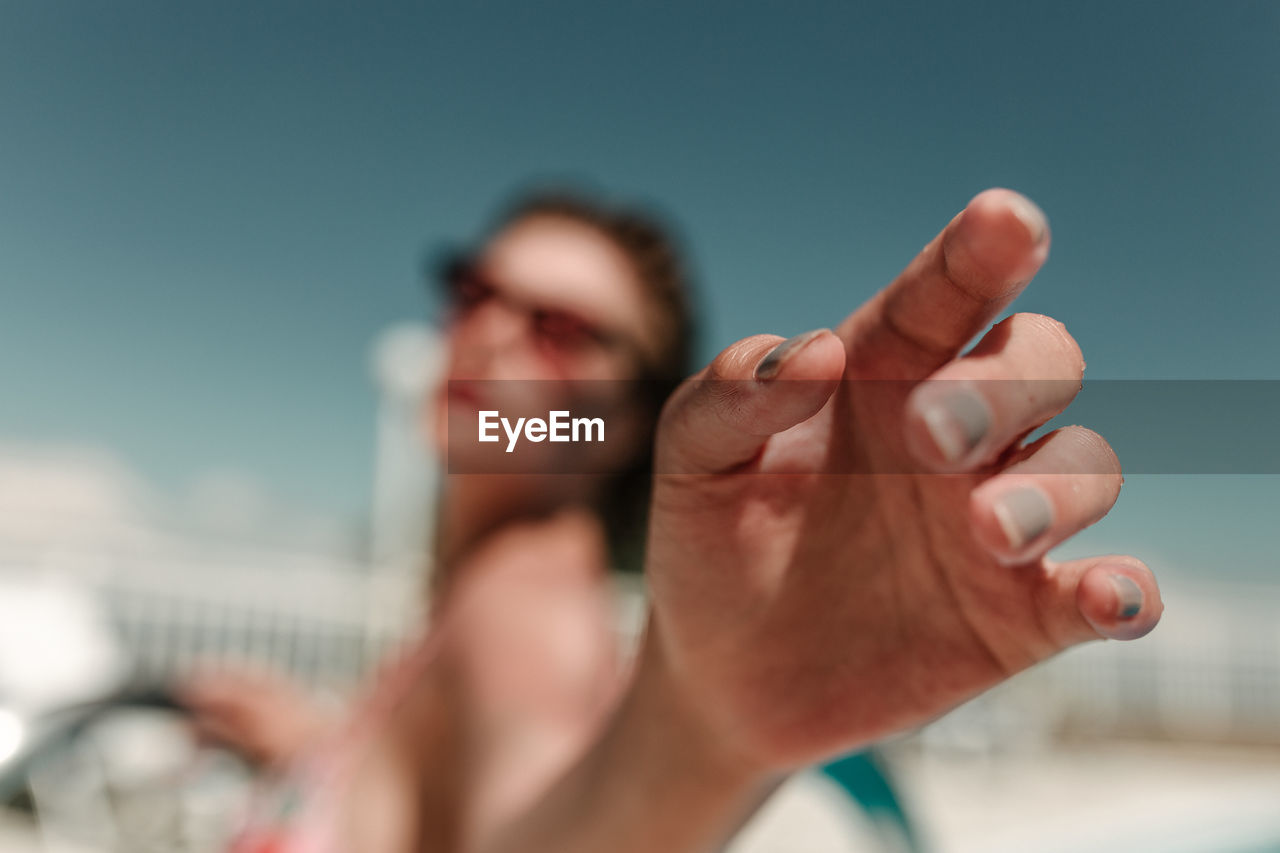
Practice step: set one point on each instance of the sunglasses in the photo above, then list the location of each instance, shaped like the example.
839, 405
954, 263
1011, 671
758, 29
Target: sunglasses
559, 332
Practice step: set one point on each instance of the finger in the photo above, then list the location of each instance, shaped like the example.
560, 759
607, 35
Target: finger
956, 285
220, 732
215, 687
1112, 597
1070, 479
1022, 373
759, 386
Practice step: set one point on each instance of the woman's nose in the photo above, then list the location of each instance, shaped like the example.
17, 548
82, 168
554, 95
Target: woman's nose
498, 324
499, 337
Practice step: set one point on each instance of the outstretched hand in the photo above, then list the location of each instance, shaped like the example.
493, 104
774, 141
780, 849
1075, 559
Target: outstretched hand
840, 549
257, 713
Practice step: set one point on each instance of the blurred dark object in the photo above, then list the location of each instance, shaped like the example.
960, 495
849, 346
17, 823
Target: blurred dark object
124, 772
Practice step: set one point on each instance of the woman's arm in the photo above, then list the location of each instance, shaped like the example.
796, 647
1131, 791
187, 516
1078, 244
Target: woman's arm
657, 779
847, 539
530, 640
258, 713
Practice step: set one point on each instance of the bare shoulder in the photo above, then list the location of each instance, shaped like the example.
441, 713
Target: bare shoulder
534, 604
561, 557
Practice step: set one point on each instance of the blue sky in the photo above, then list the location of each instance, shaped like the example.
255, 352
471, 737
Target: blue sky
206, 215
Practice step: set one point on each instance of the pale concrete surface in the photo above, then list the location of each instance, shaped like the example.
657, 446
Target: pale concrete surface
1101, 796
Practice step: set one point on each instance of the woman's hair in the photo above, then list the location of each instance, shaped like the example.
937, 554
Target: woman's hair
659, 262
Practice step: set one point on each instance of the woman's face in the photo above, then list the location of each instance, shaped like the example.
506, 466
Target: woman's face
549, 308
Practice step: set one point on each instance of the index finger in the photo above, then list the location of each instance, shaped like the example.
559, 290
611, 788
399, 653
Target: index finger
957, 285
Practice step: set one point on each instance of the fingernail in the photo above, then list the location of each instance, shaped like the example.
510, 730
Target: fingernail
1032, 217
1128, 596
957, 421
1024, 515
772, 363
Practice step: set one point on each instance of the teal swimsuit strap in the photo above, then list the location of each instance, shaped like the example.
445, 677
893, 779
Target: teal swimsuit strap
862, 776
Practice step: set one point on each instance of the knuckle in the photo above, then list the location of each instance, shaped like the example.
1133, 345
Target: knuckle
718, 389
726, 400
737, 361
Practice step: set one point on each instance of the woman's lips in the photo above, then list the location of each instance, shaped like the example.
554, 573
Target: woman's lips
465, 392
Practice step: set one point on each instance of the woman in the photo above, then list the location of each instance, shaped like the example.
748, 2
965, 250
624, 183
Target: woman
567, 305
848, 536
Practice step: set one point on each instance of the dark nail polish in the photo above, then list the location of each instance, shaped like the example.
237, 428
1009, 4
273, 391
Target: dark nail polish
1025, 514
1032, 217
957, 420
771, 364
1128, 596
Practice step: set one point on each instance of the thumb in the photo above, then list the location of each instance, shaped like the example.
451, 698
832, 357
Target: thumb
722, 416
